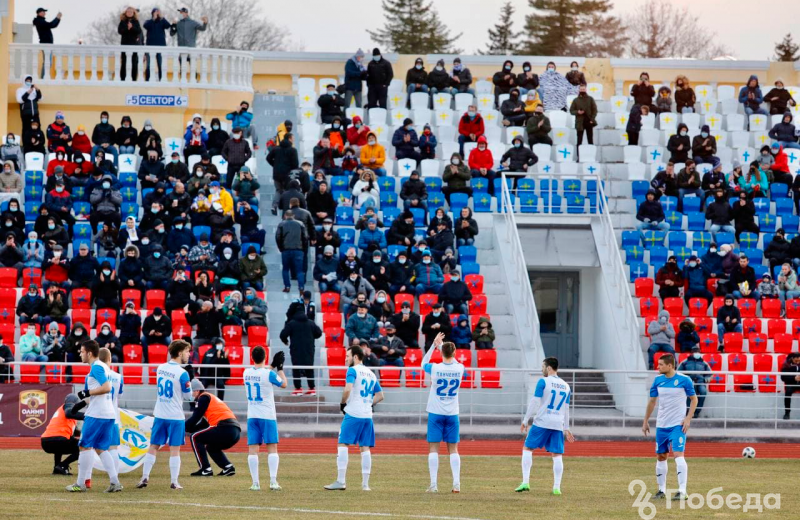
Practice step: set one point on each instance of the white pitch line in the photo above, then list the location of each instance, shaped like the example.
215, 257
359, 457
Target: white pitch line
269, 508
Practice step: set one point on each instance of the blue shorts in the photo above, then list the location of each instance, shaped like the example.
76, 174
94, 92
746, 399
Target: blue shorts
262, 431
98, 434
115, 437
443, 428
357, 431
673, 438
550, 440
168, 431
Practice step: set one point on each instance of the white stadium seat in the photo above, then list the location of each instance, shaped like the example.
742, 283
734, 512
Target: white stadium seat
306, 85
127, 163
431, 168
324, 82
398, 115
173, 144
565, 153
649, 137
725, 92
543, 152
377, 116
309, 114
483, 86
702, 92
306, 98
34, 161
714, 121
446, 133
587, 153
595, 90
352, 112
463, 101
397, 85
419, 100
222, 164
734, 122
632, 154
444, 117
691, 120
619, 104
422, 116
758, 122
442, 100
397, 100
514, 131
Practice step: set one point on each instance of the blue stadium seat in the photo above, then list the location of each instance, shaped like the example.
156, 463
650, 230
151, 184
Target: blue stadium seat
525, 185
339, 183
387, 183
420, 234
576, 203
674, 218
630, 238
654, 238
341, 196
458, 201
748, 240
467, 254
482, 203
658, 256
767, 223
419, 216
766, 238
571, 186
638, 270
79, 193
669, 203
762, 205
700, 241
129, 193
755, 255
394, 251
726, 238
145, 193
676, 239
691, 204
500, 207
247, 246
633, 254
435, 200
129, 209
528, 202
81, 209
348, 236
34, 177
783, 206
696, 221
761, 270
548, 185
479, 185
33, 192
128, 179
683, 254
82, 230
344, 216
551, 203
468, 268
389, 199
498, 180
199, 230
434, 184
790, 222
639, 189
389, 214
32, 210
778, 191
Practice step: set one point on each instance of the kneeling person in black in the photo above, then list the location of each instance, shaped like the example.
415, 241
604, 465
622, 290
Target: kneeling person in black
213, 428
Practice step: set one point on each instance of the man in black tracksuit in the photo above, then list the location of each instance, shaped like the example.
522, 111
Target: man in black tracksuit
213, 428
379, 76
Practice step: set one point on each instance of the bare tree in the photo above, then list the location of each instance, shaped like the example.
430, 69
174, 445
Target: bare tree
249, 29
658, 29
603, 36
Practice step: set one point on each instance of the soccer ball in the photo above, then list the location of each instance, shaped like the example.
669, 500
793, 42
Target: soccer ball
749, 453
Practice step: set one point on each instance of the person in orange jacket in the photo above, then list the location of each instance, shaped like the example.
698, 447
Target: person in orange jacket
59, 437
373, 155
214, 428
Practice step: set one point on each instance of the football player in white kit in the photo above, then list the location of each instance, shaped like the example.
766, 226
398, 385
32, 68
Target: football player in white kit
168, 424
362, 391
550, 404
116, 391
262, 425
443, 423
670, 391
99, 422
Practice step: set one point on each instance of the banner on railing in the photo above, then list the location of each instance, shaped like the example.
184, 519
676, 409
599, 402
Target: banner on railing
150, 100
134, 436
25, 410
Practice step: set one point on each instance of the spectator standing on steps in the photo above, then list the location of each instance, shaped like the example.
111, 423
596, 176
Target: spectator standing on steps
28, 96
292, 240
379, 76
354, 73
186, 29
45, 31
243, 119
662, 333
130, 32
299, 333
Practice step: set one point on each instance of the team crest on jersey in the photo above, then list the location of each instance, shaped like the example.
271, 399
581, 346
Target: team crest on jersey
675, 383
33, 408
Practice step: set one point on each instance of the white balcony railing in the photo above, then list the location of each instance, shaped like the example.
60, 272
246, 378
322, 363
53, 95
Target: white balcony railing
102, 65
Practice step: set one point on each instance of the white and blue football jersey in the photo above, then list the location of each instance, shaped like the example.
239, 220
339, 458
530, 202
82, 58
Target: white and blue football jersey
116, 391
172, 382
100, 406
555, 395
365, 386
259, 383
446, 380
672, 393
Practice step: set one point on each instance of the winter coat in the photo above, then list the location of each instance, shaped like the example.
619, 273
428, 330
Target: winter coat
249, 267
777, 251
534, 130
651, 210
454, 293
658, 336
283, 159
124, 134
589, 107
291, 235
507, 107
362, 328
503, 85
731, 312
354, 74
689, 180
476, 332
438, 79
401, 274
744, 216
156, 31
394, 343
634, 120
103, 133
782, 103
415, 76
781, 163
784, 131
299, 333
519, 158
106, 200
379, 73
164, 326
461, 335
187, 29
83, 268
427, 144
695, 277
399, 232
236, 152
461, 178
679, 156
331, 106
157, 269
687, 339
699, 150
739, 276
471, 231
684, 98
464, 78
239, 118
444, 327
669, 183
30, 305
428, 274
712, 264
695, 365
130, 326
745, 91
481, 159
719, 212
131, 269
350, 290
468, 125
324, 267
643, 95
375, 151
414, 187
669, 272
400, 145
324, 157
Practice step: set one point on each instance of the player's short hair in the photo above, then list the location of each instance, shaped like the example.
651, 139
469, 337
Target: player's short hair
551, 362
668, 359
258, 354
357, 352
91, 347
178, 346
448, 349
104, 355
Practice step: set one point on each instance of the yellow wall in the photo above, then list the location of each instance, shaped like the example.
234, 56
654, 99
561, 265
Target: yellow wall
5, 40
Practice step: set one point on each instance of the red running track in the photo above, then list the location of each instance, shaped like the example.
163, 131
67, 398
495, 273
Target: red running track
498, 447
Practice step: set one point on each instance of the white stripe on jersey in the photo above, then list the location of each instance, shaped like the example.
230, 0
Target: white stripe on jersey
445, 382
116, 390
259, 383
172, 382
100, 406
555, 397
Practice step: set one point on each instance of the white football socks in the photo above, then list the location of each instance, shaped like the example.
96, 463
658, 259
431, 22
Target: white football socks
174, 469
527, 463
341, 464
85, 459
661, 475
110, 466
115, 456
252, 462
558, 470
366, 467
683, 473
149, 462
272, 461
455, 467
433, 467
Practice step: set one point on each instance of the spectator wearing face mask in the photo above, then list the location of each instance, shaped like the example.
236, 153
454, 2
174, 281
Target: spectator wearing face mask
331, 105
54, 344
243, 119
30, 346
106, 204
481, 163
33, 139
126, 136
470, 128
435, 323
377, 271
103, 137
695, 277
59, 134
684, 95
407, 324
780, 100
456, 177
106, 288
513, 109
325, 271
438, 79
518, 158
460, 79
662, 334
352, 286
777, 252
60, 161
157, 269
663, 101
56, 306
156, 329
152, 171
107, 339
321, 204
10, 181
538, 127
751, 98
179, 291
527, 80
246, 186
358, 134
355, 72
253, 270
236, 151
704, 146
11, 151
679, 145
389, 348
33, 251
427, 143
461, 334
406, 141
300, 334
216, 376
669, 279
129, 324
729, 319
416, 79
362, 325
216, 138
428, 276
55, 234
695, 363
373, 155
379, 77
83, 268
504, 80
455, 295
30, 306
584, 109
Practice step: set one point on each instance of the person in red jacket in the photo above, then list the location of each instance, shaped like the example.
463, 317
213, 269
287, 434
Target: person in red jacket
481, 162
780, 168
470, 128
357, 134
60, 160
81, 142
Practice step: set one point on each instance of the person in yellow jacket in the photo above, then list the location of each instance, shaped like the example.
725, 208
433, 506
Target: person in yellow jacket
373, 155
532, 100
221, 195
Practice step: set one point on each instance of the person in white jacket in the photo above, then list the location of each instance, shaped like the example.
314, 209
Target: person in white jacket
28, 97
366, 191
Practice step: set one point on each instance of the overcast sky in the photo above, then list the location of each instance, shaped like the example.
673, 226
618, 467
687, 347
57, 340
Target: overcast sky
322, 25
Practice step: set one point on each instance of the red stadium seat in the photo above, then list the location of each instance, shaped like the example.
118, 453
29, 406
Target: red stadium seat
674, 306
401, 298
236, 357
770, 308
331, 320
223, 295
756, 343
783, 343
232, 334
718, 383
488, 359
336, 358
413, 360
464, 356
181, 331
54, 375
178, 317
8, 278
82, 316
7, 332
79, 373
266, 350
775, 326
733, 341
453, 320
132, 295
31, 275
389, 376
105, 316
477, 305
741, 382
702, 326
257, 336
793, 308
426, 302
794, 327
683, 356
131, 354
330, 301
716, 303
334, 337
81, 299
648, 305
751, 326
201, 352
8, 316
156, 354
747, 307
155, 298
698, 307
765, 363
29, 373
709, 343
644, 287
711, 285
475, 283
8, 298
714, 361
